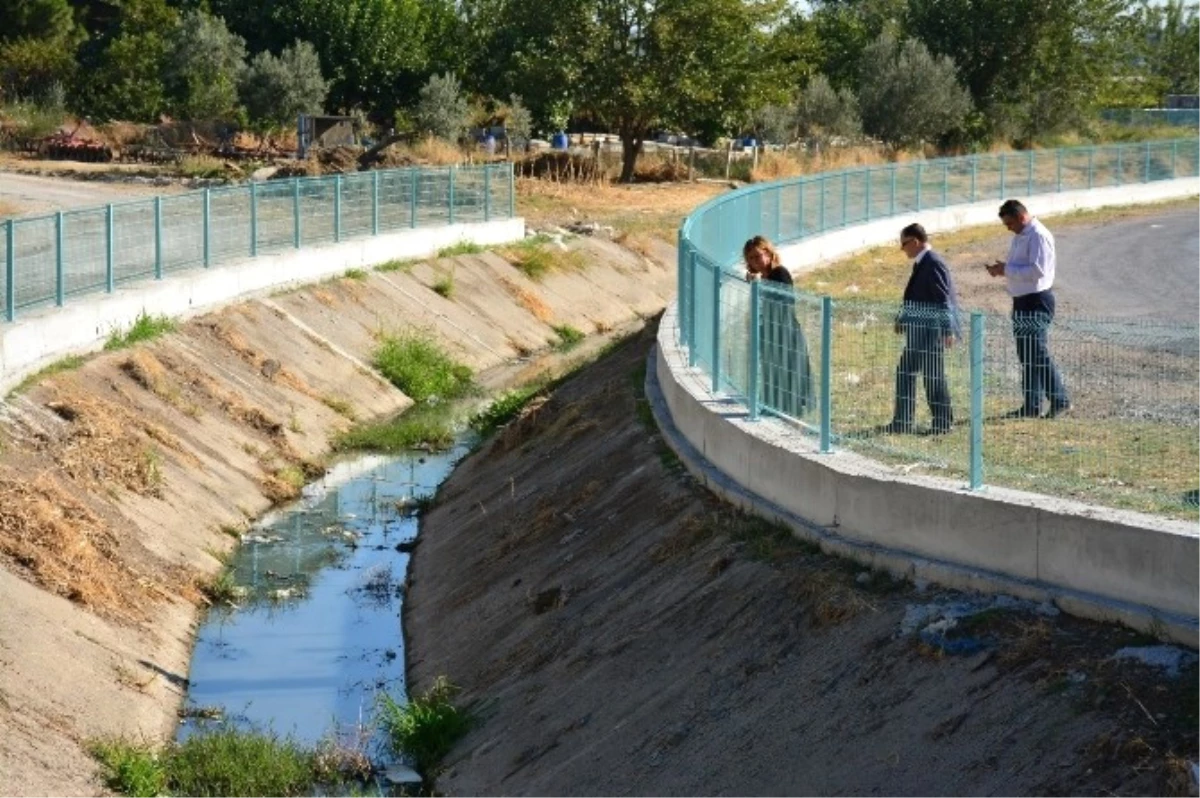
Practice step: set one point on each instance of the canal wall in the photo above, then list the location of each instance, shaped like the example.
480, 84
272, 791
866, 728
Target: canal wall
125, 481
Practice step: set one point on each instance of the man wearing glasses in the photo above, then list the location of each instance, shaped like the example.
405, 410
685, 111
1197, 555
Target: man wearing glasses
928, 321
1029, 274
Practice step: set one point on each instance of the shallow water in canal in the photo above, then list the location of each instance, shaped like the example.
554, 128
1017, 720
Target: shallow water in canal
316, 632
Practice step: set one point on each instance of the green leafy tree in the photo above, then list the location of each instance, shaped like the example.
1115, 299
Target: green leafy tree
908, 96
442, 109
518, 122
276, 89
824, 113
38, 39
204, 61
844, 28
775, 123
46, 20
1032, 66
1171, 33
122, 66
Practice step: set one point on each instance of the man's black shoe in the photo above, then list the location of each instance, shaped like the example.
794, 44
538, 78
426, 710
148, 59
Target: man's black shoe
1021, 412
1058, 410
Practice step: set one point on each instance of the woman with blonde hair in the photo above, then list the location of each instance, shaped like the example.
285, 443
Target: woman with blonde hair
786, 377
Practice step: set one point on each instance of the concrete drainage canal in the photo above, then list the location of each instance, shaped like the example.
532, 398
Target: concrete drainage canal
309, 642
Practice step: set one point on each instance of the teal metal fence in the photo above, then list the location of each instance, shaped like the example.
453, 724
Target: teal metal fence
49, 259
1131, 438
1151, 117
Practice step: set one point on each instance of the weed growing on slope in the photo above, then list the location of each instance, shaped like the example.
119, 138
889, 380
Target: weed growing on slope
144, 328
417, 365
426, 728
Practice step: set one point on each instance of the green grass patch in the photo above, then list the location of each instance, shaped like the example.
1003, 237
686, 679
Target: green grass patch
426, 728
461, 248
418, 366
130, 769
69, 363
537, 256
399, 265
222, 588
422, 427
144, 328
229, 761
568, 337
503, 409
444, 286
355, 274
291, 475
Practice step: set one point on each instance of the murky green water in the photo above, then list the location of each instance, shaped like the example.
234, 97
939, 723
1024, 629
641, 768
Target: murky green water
317, 634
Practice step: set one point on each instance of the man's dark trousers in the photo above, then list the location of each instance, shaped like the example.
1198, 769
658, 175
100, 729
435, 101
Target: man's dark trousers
1032, 315
923, 352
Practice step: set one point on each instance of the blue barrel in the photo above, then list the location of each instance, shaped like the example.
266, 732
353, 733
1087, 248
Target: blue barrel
749, 142
559, 141
489, 144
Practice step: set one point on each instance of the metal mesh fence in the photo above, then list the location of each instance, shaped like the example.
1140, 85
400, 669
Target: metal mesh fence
912, 397
49, 259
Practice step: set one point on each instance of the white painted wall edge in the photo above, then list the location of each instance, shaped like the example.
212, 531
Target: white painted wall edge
43, 335
1108, 564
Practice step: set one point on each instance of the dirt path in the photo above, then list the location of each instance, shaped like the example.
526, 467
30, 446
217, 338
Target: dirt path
25, 195
621, 633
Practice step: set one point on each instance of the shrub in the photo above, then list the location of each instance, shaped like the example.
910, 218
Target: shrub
442, 110
427, 727
275, 89
130, 769
417, 366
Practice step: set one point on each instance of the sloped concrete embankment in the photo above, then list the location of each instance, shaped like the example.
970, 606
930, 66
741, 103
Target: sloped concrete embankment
125, 481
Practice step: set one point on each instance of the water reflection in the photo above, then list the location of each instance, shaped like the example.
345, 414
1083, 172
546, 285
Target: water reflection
316, 631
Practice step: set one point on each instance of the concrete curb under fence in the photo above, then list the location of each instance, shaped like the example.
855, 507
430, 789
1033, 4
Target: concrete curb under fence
1104, 564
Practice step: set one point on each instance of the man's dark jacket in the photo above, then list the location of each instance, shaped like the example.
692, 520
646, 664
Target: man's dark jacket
930, 300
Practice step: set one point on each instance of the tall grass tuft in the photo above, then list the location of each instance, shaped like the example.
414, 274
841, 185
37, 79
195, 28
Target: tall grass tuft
421, 427
130, 769
229, 761
417, 365
144, 328
503, 409
426, 728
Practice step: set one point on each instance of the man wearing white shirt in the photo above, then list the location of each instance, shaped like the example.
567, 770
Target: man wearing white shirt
1029, 274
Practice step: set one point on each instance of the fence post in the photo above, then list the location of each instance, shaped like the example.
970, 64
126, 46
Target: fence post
716, 331
487, 193
10, 269
158, 264
800, 186
1091, 157
1147, 180
374, 202
867, 193
253, 219
892, 205
681, 282
110, 259
412, 200
452, 171
826, 373
691, 330
755, 299
778, 212
1174, 149
512, 192
206, 221
974, 172
845, 197
59, 277
296, 234
945, 183
1058, 171
1003, 164
821, 217
337, 208
917, 180
976, 446
1120, 164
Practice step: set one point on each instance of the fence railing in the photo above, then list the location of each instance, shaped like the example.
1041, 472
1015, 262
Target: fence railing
1145, 117
49, 259
1131, 438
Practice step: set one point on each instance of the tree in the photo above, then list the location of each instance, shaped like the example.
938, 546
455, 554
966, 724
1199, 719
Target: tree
844, 28
824, 113
277, 89
906, 95
1171, 34
44, 20
123, 64
776, 123
442, 111
37, 46
518, 123
204, 62
1040, 64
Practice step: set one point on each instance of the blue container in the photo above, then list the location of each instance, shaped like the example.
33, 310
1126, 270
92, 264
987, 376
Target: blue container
489, 144
749, 142
559, 141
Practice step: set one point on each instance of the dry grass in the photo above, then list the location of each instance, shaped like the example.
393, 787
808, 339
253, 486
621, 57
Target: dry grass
640, 208
529, 300
8, 209
66, 548
431, 151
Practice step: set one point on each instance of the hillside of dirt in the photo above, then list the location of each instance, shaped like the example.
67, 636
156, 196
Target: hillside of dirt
127, 479
616, 631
